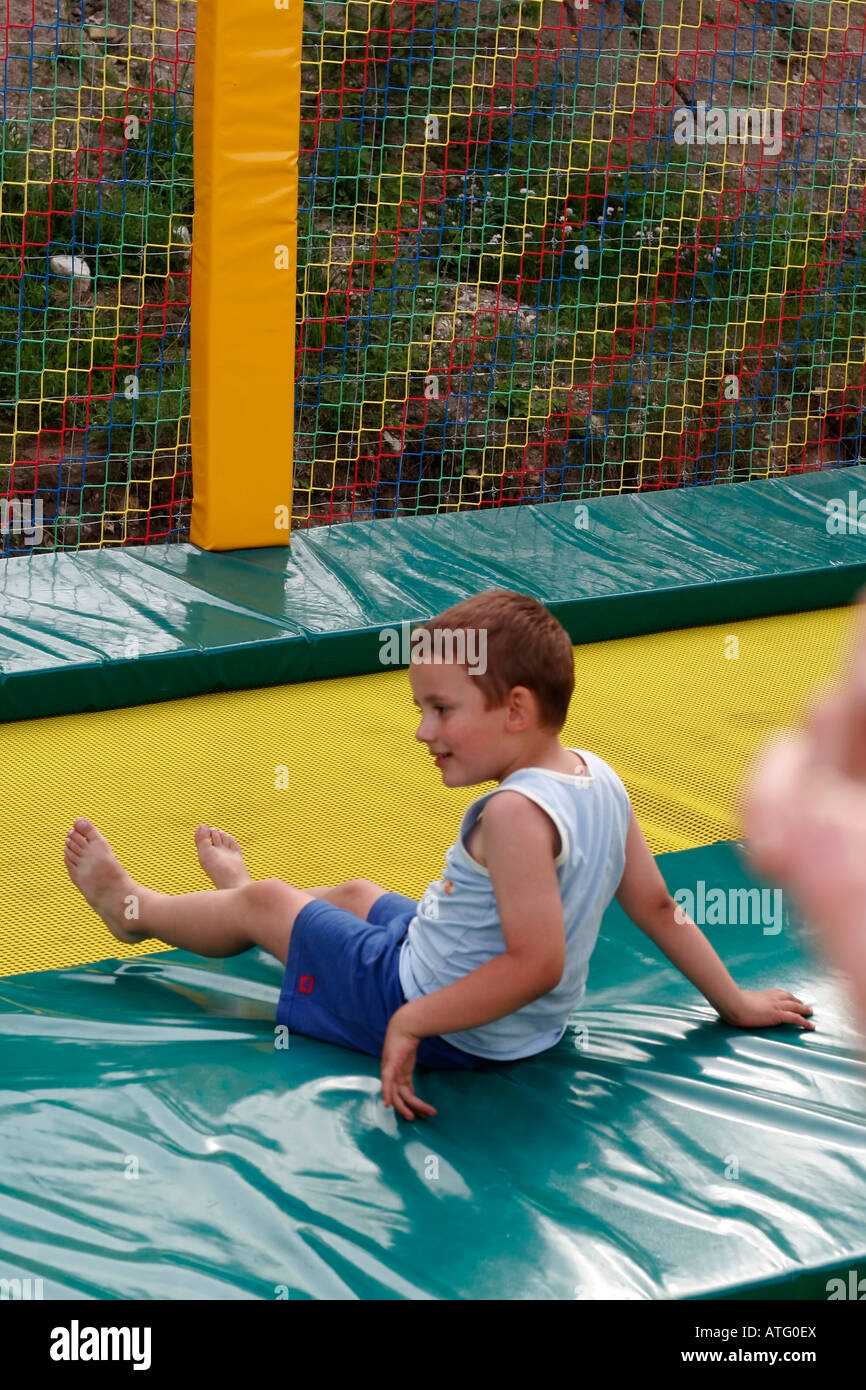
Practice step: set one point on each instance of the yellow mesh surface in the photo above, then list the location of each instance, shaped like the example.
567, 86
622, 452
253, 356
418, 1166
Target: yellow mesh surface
674, 716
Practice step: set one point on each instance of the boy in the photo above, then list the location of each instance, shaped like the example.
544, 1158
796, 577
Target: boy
492, 961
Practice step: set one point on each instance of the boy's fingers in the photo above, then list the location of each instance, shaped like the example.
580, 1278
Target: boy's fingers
423, 1108
415, 1107
399, 1099
419, 1105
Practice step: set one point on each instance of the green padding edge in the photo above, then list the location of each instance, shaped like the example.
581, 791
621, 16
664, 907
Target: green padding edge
654, 1153
105, 629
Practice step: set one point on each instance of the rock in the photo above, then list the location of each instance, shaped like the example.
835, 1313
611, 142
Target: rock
72, 267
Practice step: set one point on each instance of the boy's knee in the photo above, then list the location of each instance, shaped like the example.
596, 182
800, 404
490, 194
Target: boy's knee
269, 895
357, 885
357, 894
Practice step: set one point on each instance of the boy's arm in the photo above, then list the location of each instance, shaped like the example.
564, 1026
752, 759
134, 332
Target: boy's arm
644, 896
519, 844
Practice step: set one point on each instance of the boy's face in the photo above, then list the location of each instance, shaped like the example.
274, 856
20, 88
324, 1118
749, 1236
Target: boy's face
464, 737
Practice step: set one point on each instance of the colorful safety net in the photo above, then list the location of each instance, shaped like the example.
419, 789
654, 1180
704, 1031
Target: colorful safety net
545, 251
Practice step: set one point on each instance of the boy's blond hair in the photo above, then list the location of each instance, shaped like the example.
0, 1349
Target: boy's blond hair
526, 645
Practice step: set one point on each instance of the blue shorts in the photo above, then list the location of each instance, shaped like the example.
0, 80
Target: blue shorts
342, 983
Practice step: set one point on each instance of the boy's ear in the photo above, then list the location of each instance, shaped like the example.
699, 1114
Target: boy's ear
522, 707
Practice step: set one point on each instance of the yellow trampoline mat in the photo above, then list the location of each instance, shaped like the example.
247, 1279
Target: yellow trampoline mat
324, 780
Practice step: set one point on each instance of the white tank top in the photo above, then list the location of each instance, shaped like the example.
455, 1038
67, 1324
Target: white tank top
457, 925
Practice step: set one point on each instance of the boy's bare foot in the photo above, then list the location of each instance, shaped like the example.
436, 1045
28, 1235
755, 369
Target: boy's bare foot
101, 879
220, 856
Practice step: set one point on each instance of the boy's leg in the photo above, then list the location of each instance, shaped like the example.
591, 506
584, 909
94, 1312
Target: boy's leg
213, 923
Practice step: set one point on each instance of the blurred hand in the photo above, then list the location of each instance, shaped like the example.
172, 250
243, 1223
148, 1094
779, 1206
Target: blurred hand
803, 809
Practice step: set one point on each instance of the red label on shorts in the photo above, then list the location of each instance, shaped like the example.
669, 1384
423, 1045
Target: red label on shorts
305, 984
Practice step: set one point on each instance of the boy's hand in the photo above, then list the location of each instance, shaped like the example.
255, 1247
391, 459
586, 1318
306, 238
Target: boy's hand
398, 1061
765, 1008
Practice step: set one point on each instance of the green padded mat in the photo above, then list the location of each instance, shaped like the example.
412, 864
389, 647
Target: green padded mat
156, 1145
104, 629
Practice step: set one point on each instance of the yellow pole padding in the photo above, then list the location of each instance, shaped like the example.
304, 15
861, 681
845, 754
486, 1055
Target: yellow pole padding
244, 270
